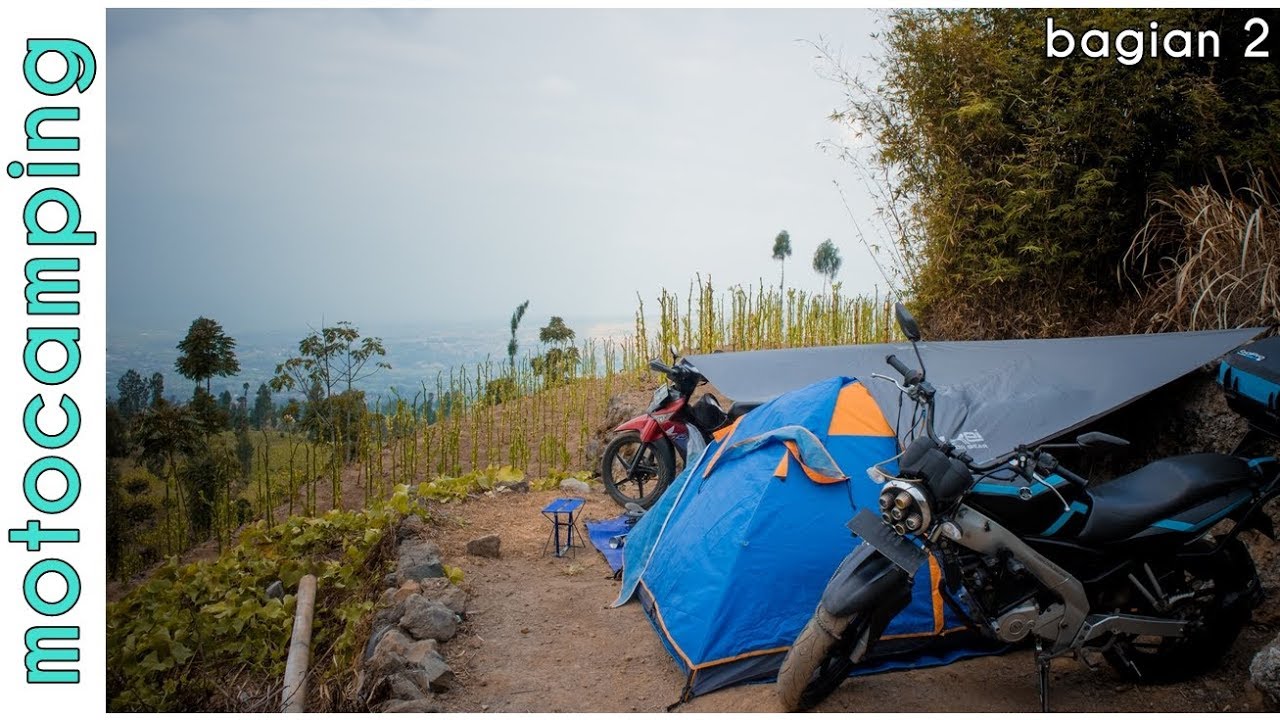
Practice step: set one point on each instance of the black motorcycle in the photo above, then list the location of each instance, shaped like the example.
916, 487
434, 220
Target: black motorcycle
1124, 572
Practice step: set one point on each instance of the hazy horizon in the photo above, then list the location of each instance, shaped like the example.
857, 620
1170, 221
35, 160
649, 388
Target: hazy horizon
434, 168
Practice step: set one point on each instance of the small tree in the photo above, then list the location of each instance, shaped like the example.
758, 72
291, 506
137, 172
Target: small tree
782, 251
558, 364
513, 345
826, 261
555, 332
133, 394
155, 386
206, 351
263, 407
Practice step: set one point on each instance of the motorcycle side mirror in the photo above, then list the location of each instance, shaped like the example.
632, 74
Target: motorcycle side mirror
1100, 441
674, 355
906, 322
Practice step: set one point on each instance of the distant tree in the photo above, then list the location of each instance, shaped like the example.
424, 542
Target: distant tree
557, 365
203, 478
242, 404
117, 434
555, 332
335, 356
155, 386
782, 251
212, 416
165, 434
206, 351
826, 261
513, 345
224, 402
132, 398
244, 451
263, 409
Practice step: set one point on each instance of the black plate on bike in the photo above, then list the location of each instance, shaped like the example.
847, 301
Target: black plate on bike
897, 548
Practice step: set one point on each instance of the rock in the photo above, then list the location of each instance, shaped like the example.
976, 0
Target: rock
425, 618
575, 485
410, 528
512, 486
409, 706
402, 668
276, 590
416, 551
446, 593
594, 449
380, 630
618, 411
1264, 671
418, 573
488, 546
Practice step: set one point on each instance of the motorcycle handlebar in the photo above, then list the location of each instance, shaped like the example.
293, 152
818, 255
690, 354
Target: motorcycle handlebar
658, 366
1070, 476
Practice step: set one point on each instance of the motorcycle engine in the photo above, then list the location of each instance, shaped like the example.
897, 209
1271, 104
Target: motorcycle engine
1017, 623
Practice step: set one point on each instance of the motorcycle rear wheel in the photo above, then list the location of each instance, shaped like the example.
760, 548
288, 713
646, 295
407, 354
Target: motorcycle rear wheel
637, 472
1221, 604
821, 657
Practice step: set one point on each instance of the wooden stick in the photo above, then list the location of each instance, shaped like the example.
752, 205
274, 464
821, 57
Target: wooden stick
294, 697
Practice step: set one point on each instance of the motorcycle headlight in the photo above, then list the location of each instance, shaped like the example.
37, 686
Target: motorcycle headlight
905, 508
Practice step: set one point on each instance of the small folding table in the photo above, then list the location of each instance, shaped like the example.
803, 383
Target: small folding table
563, 513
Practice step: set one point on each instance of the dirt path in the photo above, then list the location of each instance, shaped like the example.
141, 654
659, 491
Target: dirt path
541, 637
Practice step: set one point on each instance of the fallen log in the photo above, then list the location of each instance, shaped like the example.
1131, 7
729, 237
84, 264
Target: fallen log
294, 696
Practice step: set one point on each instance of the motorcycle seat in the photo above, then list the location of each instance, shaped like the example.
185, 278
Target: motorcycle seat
738, 409
1131, 503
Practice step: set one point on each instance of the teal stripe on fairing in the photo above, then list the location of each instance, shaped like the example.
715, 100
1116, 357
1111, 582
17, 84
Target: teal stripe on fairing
1076, 507
987, 487
1180, 526
1258, 461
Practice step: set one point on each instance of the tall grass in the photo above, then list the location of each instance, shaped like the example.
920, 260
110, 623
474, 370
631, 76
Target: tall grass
1209, 258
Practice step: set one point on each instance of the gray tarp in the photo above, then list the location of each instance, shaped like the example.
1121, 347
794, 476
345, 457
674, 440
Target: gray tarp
992, 395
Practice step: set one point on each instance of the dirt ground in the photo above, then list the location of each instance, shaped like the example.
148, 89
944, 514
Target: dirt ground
540, 637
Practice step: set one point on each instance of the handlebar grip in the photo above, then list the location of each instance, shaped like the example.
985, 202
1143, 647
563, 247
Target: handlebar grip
657, 366
909, 376
1071, 477
898, 365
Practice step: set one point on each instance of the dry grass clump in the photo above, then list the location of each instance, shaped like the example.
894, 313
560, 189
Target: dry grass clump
1209, 259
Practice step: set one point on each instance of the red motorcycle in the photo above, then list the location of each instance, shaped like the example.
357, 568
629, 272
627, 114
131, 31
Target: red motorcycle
640, 462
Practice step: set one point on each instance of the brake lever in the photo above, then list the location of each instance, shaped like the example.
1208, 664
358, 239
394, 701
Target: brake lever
901, 388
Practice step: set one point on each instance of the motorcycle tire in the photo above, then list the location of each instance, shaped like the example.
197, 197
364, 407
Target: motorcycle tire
821, 657
1215, 620
637, 472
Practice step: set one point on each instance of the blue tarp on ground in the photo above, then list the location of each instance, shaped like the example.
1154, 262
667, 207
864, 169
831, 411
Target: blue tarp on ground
730, 562
600, 532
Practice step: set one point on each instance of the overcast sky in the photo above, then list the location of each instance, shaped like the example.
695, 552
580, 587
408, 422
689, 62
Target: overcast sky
269, 167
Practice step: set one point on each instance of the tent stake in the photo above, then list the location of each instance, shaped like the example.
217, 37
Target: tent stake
294, 696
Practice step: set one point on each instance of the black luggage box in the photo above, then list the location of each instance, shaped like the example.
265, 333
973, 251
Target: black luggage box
1250, 378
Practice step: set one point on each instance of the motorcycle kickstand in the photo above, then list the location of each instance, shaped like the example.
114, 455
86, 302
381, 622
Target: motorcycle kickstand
1042, 664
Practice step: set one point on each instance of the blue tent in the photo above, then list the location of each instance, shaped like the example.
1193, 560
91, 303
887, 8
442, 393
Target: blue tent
730, 562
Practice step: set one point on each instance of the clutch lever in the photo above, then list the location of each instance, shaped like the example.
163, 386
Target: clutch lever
901, 388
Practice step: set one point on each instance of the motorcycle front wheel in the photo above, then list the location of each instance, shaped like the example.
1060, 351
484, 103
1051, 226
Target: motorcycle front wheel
821, 657
634, 471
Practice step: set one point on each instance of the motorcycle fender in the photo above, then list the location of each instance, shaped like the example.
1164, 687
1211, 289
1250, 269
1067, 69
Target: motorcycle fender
867, 581
642, 424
